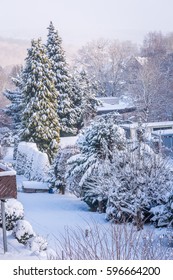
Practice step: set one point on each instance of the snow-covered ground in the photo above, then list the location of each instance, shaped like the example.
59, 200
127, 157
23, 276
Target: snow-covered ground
49, 215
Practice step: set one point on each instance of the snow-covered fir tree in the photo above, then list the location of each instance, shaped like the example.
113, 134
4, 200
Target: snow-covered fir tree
56, 177
77, 99
89, 101
39, 119
17, 103
97, 143
16, 107
66, 108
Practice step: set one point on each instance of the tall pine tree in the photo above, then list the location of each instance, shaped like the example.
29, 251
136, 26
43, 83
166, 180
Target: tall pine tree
67, 113
16, 106
89, 102
39, 119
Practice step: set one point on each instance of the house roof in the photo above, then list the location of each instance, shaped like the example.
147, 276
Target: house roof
150, 124
110, 104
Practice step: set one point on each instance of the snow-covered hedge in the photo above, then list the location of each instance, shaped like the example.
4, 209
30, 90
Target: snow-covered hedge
3, 151
23, 231
31, 163
13, 212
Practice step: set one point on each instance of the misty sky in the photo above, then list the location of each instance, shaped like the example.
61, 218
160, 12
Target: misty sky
79, 21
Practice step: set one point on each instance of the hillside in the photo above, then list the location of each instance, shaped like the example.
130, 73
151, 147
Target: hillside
12, 51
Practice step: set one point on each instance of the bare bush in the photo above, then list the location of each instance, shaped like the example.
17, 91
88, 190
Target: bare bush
111, 242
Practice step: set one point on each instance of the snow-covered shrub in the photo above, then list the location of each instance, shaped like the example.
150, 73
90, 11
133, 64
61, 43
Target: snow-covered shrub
143, 180
163, 214
32, 163
3, 151
37, 244
23, 231
7, 140
125, 179
58, 168
3, 131
168, 236
97, 143
13, 212
16, 143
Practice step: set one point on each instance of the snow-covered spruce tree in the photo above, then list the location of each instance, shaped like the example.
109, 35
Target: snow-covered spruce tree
97, 143
77, 99
66, 108
89, 102
56, 176
98, 185
143, 180
39, 119
16, 107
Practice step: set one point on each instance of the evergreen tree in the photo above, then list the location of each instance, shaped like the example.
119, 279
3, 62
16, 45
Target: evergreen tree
56, 177
16, 107
97, 145
66, 108
77, 99
39, 119
89, 101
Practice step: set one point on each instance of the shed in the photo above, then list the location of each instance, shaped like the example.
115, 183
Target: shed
8, 187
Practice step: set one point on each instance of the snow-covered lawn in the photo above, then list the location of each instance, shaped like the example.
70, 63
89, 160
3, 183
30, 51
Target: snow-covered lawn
49, 215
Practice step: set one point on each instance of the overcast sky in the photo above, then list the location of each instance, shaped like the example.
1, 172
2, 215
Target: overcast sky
79, 21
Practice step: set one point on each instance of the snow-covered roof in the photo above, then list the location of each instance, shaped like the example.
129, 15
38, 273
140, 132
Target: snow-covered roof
6, 171
106, 106
68, 141
109, 104
109, 100
163, 132
35, 185
150, 124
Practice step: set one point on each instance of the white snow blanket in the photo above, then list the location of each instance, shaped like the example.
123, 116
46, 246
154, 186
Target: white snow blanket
6, 171
35, 185
32, 163
68, 141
